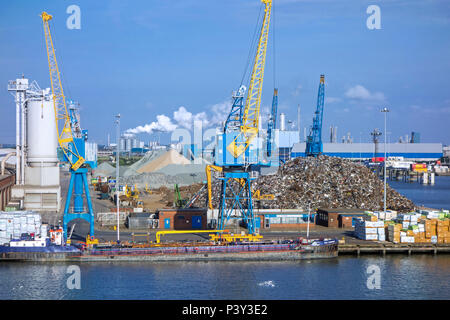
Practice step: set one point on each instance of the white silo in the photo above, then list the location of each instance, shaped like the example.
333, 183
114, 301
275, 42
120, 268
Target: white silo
41, 133
42, 181
122, 144
135, 143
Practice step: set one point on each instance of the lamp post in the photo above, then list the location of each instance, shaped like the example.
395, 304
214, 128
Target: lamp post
309, 217
289, 133
385, 111
117, 172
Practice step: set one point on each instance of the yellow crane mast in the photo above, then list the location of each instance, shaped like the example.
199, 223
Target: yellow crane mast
250, 119
64, 132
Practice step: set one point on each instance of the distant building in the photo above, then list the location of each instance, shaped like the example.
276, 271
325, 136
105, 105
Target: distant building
286, 140
410, 151
415, 137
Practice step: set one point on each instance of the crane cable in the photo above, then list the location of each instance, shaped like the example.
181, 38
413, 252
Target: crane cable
252, 48
274, 51
64, 81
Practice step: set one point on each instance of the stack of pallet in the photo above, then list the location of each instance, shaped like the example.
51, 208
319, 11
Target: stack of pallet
14, 224
381, 215
370, 230
422, 230
438, 228
393, 233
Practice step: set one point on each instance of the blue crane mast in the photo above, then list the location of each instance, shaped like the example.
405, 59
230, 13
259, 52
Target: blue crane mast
314, 145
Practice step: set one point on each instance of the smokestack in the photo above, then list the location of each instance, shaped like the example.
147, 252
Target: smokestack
282, 122
335, 134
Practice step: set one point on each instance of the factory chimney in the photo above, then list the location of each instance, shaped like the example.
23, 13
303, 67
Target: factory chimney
282, 122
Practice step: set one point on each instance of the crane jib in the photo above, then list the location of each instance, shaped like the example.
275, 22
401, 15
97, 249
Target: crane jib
64, 134
250, 119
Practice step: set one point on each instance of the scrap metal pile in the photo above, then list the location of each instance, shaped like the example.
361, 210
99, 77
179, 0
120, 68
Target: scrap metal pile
322, 182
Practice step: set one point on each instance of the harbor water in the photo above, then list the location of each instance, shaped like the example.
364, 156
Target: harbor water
400, 277
435, 196
423, 276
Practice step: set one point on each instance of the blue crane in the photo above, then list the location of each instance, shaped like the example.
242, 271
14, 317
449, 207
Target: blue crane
236, 153
72, 142
314, 145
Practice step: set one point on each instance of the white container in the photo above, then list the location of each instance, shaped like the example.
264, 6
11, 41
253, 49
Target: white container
369, 224
371, 237
43, 230
370, 230
378, 224
380, 231
41, 133
381, 237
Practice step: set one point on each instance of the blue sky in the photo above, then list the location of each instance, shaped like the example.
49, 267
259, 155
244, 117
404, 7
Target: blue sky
150, 58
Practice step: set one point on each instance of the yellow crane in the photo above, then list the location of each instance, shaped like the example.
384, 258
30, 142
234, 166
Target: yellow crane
65, 130
62, 117
250, 119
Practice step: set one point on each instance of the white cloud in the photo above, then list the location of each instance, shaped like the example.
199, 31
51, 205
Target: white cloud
220, 112
162, 124
186, 119
297, 90
358, 92
215, 115
332, 99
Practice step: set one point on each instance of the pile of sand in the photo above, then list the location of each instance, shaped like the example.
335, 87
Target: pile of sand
169, 157
104, 170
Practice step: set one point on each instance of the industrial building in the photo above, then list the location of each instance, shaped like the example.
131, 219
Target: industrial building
362, 151
338, 217
130, 142
182, 219
37, 166
6, 183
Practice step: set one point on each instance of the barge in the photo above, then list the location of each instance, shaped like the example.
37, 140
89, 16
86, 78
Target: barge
317, 249
238, 252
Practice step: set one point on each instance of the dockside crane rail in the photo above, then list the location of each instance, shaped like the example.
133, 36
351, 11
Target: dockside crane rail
250, 114
314, 145
62, 116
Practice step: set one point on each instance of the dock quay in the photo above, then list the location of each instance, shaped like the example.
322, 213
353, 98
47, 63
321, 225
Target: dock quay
389, 248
